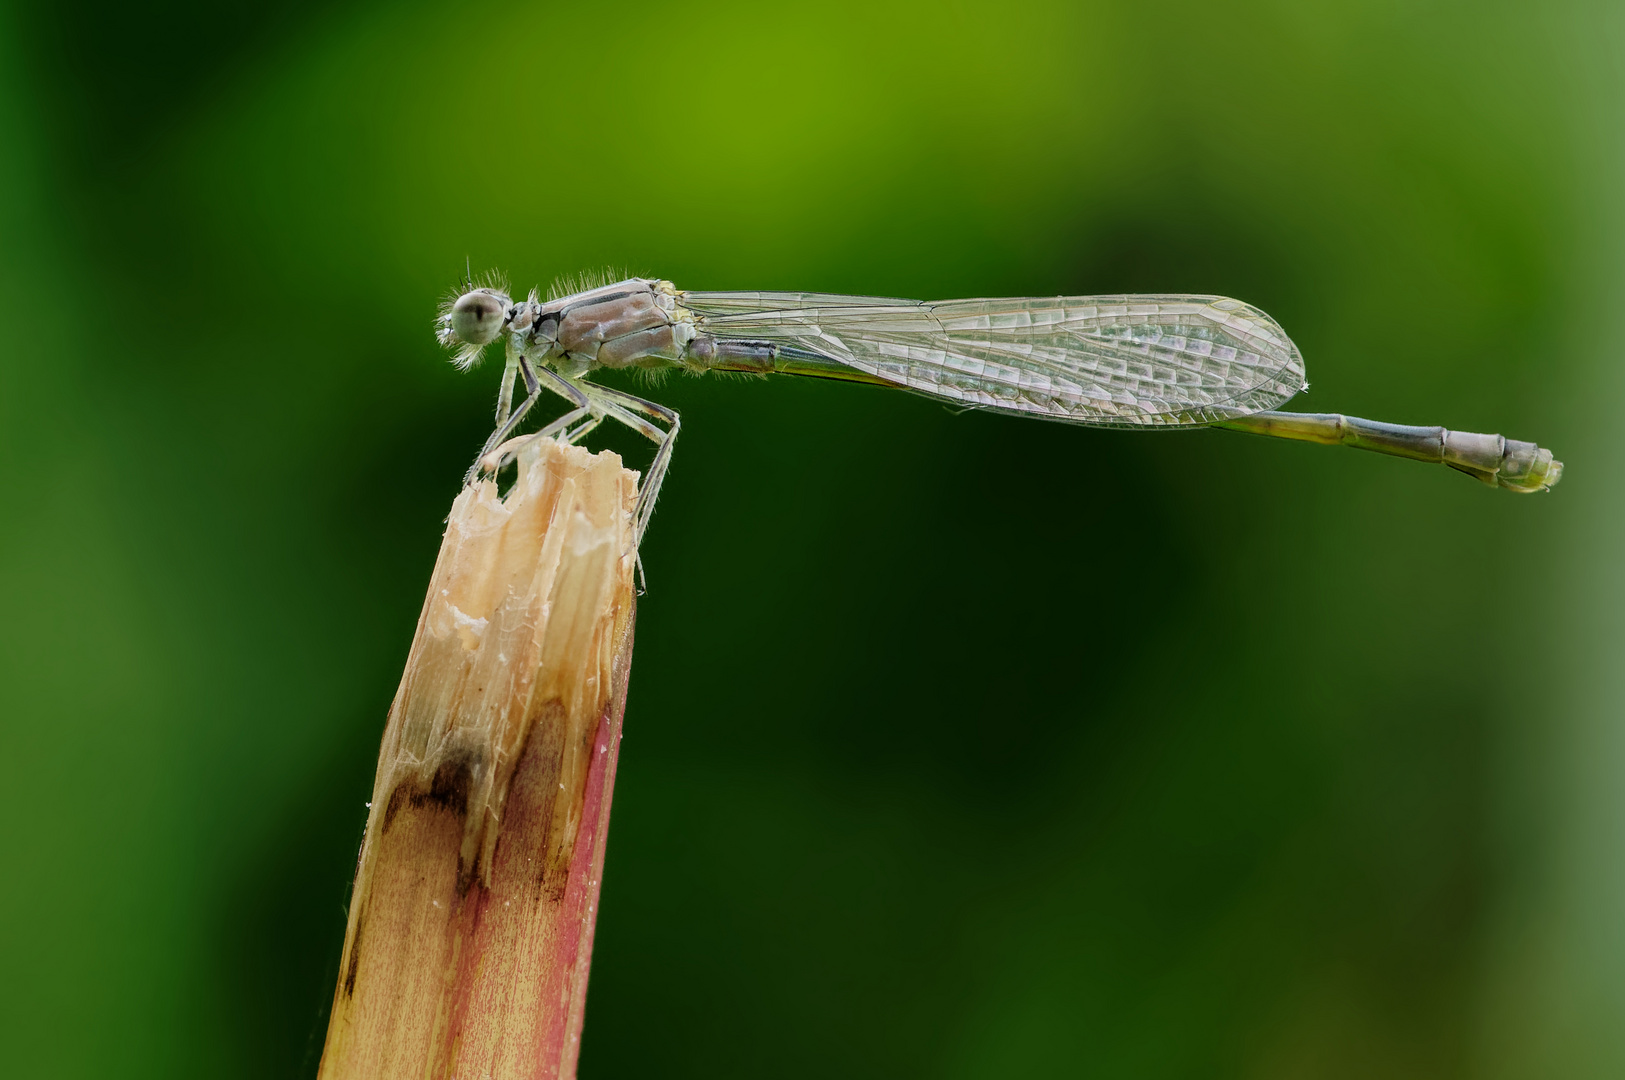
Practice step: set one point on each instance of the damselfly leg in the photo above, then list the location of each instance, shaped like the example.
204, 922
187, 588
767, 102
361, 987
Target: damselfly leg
593, 403
508, 421
624, 407
533, 392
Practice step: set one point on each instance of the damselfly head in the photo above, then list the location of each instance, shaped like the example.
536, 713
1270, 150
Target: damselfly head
473, 321
477, 316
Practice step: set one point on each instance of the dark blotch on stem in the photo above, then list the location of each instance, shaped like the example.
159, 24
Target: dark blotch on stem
355, 956
449, 790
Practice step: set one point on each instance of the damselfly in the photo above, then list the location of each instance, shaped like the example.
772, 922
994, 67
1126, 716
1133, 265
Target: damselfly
1107, 361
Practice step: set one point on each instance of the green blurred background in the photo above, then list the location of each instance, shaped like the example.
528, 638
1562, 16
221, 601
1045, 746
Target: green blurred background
959, 746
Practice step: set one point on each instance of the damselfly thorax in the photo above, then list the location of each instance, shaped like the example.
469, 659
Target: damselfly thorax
1110, 361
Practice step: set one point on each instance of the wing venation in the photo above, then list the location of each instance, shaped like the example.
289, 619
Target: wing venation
1103, 360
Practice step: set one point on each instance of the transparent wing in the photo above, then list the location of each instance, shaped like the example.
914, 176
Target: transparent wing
1103, 360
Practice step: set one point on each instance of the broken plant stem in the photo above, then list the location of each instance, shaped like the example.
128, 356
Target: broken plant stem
471, 921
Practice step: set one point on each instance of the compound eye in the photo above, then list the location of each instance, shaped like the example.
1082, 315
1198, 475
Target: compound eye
477, 317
